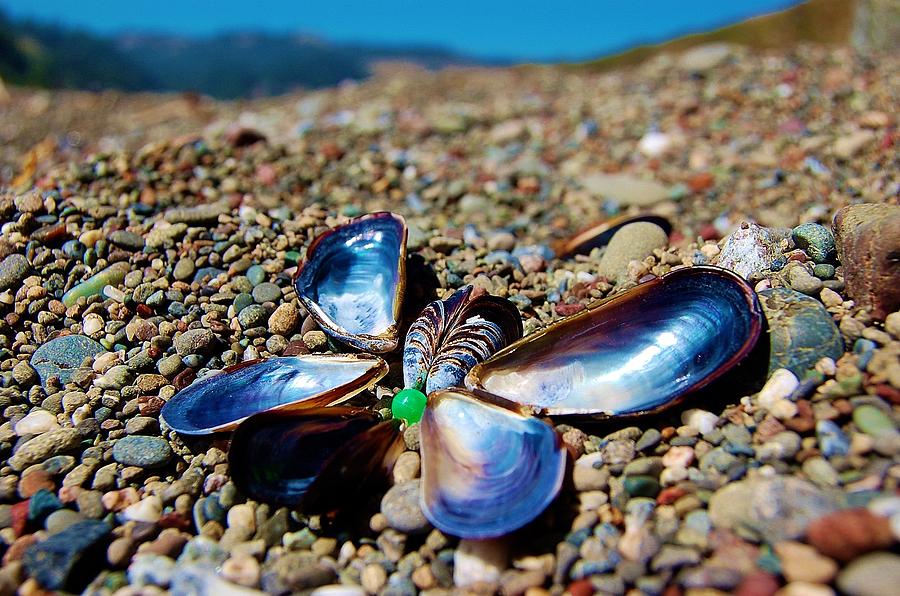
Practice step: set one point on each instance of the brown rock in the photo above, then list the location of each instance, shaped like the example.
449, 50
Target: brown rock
868, 245
35, 481
846, 534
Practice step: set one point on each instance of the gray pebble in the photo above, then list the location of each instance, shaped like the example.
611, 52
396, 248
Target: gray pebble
253, 316
816, 240
13, 269
194, 341
141, 451
184, 269
266, 292
400, 506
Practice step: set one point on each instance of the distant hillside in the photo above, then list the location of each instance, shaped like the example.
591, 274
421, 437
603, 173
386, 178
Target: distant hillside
815, 21
225, 66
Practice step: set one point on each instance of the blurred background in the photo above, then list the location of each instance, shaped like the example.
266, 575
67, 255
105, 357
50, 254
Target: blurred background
232, 49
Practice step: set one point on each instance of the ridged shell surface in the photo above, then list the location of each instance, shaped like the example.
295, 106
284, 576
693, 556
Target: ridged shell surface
488, 468
640, 351
453, 335
220, 402
354, 279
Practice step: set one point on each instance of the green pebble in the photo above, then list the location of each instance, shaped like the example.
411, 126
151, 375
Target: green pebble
111, 276
256, 274
408, 405
292, 257
816, 240
873, 421
823, 271
641, 486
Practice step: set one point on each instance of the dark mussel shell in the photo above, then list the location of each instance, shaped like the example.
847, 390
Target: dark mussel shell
220, 402
638, 352
453, 335
488, 467
318, 459
354, 279
599, 235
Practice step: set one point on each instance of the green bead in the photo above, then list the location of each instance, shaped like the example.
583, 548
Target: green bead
408, 405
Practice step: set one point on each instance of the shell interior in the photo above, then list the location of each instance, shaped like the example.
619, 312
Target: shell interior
640, 351
488, 468
220, 402
353, 281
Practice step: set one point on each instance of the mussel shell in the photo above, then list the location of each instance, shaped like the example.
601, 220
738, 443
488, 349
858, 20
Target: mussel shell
488, 467
599, 235
354, 279
638, 352
220, 402
453, 335
318, 459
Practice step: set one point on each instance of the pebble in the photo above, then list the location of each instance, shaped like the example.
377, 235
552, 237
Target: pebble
184, 269
589, 474
801, 331
14, 269
701, 420
631, 243
803, 563
804, 282
194, 341
60, 357
61, 519
142, 451
400, 506
266, 292
284, 320
479, 563
748, 251
148, 509
849, 533
781, 385
625, 189
36, 422
44, 446
870, 575
816, 240
67, 560
111, 276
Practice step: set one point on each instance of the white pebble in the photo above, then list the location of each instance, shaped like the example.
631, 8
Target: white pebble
672, 476
887, 506
148, 509
479, 562
783, 409
654, 144
338, 590
106, 361
826, 366
702, 420
93, 323
780, 385
81, 414
36, 422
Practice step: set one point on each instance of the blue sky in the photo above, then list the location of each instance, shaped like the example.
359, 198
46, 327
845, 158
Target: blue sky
517, 30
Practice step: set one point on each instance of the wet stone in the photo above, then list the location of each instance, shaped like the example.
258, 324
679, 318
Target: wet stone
142, 451
801, 331
70, 559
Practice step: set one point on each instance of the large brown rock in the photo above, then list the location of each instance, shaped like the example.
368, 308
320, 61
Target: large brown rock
868, 245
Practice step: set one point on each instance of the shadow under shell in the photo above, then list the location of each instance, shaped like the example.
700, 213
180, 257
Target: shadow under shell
318, 459
353, 281
638, 352
218, 403
488, 467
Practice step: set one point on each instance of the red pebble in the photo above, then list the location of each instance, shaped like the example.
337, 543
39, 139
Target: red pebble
582, 587
846, 534
669, 495
19, 515
700, 182
709, 232
184, 378
174, 520
759, 583
567, 310
17, 549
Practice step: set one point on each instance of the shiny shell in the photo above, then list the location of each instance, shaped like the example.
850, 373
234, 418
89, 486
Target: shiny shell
488, 467
354, 279
319, 459
220, 402
453, 335
599, 235
638, 352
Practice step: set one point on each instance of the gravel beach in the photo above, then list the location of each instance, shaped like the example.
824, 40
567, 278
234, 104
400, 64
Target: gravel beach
147, 240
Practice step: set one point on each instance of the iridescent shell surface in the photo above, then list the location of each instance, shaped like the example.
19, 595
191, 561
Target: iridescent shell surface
220, 402
638, 352
453, 335
353, 281
599, 235
319, 459
488, 467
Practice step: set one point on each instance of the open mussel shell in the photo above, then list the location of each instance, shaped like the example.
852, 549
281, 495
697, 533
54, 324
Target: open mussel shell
453, 335
354, 279
599, 235
220, 402
488, 467
319, 459
638, 352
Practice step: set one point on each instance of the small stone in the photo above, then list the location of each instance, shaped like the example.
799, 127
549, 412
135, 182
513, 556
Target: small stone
804, 282
111, 276
870, 575
701, 420
315, 340
626, 189
851, 144
184, 269
632, 242
816, 240
801, 331
373, 578
749, 251
142, 451
407, 467
868, 240
61, 519
194, 341
400, 506
36, 422
849, 533
44, 446
704, 57
873, 421
13, 270
148, 509
284, 319
801, 562
127, 240
479, 563
70, 559
62, 356
781, 384
588, 473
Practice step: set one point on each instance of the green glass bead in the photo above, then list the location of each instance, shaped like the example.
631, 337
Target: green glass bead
408, 405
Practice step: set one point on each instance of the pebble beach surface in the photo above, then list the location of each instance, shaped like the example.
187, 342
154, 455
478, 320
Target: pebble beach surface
127, 272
